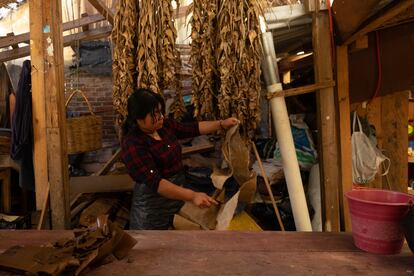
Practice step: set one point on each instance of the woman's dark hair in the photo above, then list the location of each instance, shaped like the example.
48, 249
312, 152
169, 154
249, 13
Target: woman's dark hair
141, 103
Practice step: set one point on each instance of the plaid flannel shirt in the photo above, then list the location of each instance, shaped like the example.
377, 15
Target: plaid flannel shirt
149, 160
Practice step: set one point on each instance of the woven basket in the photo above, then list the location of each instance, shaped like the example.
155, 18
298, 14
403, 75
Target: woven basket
83, 133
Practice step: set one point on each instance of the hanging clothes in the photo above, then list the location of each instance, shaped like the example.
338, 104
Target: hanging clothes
6, 89
22, 129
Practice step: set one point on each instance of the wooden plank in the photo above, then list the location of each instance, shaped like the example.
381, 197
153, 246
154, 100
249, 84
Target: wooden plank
7, 162
14, 45
47, 45
24, 38
109, 163
378, 21
6, 189
342, 77
286, 77
235, 253
196, 149
103, 9
218, 241
68, 40
185, 151
100, 184
38, 102
291, 63
359, 44
328, 137
394, 124
302, 90
86, 27
56, 121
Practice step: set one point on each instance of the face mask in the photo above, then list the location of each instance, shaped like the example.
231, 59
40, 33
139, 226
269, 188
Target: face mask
366, 157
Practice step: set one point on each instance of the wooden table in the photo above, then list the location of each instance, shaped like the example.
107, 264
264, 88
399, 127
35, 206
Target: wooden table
236, 253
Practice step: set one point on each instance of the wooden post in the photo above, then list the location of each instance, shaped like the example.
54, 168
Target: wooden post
328, 138
49, 121
394, 113
38, 102
342, 76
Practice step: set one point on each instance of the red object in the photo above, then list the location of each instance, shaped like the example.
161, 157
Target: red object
376, 217
379, 67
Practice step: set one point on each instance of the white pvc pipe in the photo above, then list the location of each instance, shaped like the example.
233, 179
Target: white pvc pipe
284, 137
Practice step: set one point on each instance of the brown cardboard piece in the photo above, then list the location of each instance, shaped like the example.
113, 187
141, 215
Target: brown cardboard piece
236, 153
88, 246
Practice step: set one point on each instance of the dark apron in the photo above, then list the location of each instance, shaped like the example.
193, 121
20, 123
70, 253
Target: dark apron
152, 211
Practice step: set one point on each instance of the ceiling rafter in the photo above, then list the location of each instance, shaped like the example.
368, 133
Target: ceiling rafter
68, 40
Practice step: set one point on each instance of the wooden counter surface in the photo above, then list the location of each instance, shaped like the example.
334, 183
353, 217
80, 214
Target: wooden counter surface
236, 253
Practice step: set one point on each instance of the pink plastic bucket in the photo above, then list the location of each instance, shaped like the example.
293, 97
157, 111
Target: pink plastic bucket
376, 217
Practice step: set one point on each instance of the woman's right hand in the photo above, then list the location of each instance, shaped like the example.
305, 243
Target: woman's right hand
202, 200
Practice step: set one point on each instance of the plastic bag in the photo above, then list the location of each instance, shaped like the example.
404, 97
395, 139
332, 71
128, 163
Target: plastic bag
366, 157
305, 148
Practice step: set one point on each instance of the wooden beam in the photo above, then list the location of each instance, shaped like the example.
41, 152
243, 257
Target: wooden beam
38, 100
302, 90
14, 54
342, 77
67, 41
49, 118
197, 149
93, 34
85, 28
328, 137
24, 38
359, 44
103, 9
105, 168
392, 12
100, 184
14, 45
7, 162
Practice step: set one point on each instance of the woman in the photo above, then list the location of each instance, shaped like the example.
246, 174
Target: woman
152, 155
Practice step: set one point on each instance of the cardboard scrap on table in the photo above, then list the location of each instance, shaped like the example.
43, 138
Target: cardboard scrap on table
236, 153
88, 246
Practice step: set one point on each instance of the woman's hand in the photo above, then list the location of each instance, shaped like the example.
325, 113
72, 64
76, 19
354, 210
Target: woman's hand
207, 127
229, 122
202, 200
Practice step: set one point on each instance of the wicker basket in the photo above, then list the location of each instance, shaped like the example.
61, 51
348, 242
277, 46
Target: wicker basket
83, 133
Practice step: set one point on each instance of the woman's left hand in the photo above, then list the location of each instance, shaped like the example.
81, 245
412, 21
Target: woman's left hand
229, 122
